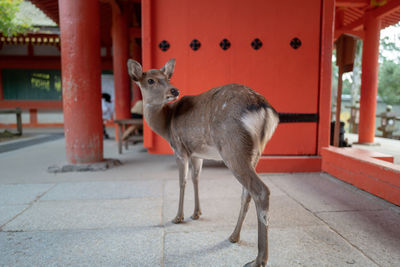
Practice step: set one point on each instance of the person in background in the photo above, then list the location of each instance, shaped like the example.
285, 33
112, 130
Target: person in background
107, 109
136, 113
137, 110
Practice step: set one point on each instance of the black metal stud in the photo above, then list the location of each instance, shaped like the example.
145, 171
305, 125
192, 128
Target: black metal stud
195, 44
225, 44
164, 45
256, 44
295, 43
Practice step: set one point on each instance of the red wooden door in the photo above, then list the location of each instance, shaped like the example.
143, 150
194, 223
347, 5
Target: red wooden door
288, 76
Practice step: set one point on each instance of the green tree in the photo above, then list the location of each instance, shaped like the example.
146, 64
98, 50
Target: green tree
389, 71
389, 82
9, 24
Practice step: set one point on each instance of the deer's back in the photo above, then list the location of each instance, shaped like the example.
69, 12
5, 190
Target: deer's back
199, 122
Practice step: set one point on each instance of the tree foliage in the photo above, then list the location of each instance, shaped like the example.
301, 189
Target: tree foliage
389, 82
389, 72
9, 24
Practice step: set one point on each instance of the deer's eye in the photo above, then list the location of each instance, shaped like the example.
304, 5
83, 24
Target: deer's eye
150, 81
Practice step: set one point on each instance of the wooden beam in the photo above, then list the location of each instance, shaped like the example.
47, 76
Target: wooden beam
359, 34
325, 74
354, 26
130, 1
379, 12
385, 10
352, 3
289, 164
46, 8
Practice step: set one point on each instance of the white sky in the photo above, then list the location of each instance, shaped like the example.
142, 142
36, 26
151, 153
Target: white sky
393, 32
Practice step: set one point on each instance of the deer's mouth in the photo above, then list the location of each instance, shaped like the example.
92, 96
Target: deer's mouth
171, 98
174, 93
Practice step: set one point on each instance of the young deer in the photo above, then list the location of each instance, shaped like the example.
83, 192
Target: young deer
231, 123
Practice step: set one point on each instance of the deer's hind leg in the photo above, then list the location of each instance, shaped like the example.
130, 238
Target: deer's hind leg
242, 163
260, 194
244, 207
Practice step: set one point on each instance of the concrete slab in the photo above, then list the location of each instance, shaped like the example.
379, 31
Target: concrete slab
319, 192
35, 158
9, 212
376, 233
88, 214
313, 246
116, 247
122, 216
210, 248
301, 246
105, 190
223, 214
21, 193
25, 142
137, 165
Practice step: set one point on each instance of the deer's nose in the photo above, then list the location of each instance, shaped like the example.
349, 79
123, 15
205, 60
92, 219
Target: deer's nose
174, 92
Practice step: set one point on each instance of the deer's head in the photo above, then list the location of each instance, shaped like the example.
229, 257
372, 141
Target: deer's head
154, 84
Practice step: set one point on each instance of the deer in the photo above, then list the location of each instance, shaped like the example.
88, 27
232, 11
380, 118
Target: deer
232, 123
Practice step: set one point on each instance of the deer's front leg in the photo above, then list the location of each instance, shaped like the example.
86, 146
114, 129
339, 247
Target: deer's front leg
183, 170
196, 164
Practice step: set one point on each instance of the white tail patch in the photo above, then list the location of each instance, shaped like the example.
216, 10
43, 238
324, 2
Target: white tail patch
272, 122
254, 121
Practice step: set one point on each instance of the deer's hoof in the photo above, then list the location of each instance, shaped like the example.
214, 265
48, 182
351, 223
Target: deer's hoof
234, 238
178, 219
254, 264
250, 264
196, 215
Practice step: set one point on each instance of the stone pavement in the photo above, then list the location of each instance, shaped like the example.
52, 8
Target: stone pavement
122, 216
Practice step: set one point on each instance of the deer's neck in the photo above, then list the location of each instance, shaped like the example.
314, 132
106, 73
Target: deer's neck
158, 118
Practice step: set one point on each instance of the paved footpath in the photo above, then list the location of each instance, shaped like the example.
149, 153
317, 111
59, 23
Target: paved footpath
122, 216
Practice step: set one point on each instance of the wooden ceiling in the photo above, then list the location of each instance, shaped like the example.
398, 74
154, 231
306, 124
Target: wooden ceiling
351, 11
50, 8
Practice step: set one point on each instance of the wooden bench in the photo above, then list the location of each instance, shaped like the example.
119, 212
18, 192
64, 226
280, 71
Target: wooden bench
122, 126
18, 113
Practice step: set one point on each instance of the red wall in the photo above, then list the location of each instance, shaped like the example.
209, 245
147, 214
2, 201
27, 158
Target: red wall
287, 77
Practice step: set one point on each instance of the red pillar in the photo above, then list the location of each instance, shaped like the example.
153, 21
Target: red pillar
369, 79
81, 80
120, 36
136, 55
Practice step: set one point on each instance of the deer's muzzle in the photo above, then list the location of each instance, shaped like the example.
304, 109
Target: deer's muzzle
174, 92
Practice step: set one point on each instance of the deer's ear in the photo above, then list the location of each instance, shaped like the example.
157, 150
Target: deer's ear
135, 70
168, 68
